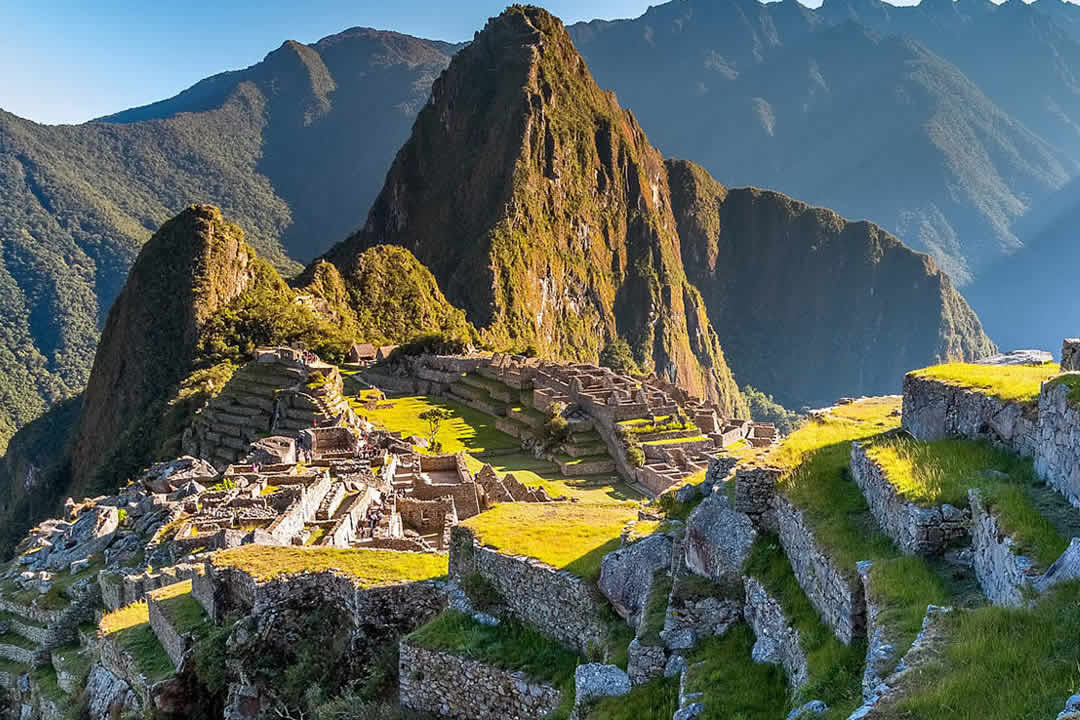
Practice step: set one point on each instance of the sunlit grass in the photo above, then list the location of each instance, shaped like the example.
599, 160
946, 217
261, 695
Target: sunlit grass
538, 473
1009, 383
570, 536
467, 429
369, 567
856, 421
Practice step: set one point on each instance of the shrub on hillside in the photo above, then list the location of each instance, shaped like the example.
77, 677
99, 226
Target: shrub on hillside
618, 356
763, 408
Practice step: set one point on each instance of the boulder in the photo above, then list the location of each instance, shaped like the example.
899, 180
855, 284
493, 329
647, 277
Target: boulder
188, 489
594, 681
1018, 357
90, 534
164, 477
626, 574
107, 695
718, 540
811, 709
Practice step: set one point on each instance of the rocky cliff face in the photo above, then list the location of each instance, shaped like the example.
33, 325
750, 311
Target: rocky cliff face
194, 265
542, 210
810, 305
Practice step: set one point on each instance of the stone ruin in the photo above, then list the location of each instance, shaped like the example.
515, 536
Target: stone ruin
281, 392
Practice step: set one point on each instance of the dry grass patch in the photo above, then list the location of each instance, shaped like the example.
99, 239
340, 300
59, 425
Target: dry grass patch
1008, 383
569, 536
371, 568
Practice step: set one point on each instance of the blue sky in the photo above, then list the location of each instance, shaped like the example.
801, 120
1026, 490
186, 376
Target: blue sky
66, 61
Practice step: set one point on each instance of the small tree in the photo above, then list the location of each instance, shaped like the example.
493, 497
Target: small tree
618, 356
434, 418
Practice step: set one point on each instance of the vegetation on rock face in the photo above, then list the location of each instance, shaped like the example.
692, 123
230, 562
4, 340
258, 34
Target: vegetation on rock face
275, 145
806, 302
542, 210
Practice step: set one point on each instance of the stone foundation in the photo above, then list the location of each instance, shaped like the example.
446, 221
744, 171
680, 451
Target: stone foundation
755, 489
916, 530
835, 592
449, 686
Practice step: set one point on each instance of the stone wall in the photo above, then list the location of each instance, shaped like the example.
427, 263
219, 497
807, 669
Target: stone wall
777, 641
121, 663
119, 591
426, 516
915, 530
44, 617
17, 654
934, 410
835, 592
174, 643
34, 633
1057, 457
881, 651
446, 685
555, 601
755, 491
1008, 578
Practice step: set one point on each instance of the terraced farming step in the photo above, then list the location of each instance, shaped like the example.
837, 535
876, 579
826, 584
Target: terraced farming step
588, 465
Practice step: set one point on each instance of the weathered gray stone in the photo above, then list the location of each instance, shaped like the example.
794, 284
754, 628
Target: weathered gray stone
777, 640
1057, 454
594, 681
1070, 354
689, 712
675, 665
1018, 357
626, 574
164, 477
809, 710
107, 695
718, 540
644, 662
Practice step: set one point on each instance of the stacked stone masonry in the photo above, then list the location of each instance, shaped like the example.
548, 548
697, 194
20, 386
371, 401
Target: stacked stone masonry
556, 602
449, 686
777, 641
1008, 578
916, 530
934, 410
1057, 457
835, 592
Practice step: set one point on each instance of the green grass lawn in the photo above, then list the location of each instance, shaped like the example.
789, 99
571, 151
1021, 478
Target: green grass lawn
843, 424
570, 536
733, 685
182, 610
370, 567
468, 429
1009, 383
541, 473
1001, 664
655, 700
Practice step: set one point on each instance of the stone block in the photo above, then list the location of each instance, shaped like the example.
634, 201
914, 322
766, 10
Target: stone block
626, 574
718, 539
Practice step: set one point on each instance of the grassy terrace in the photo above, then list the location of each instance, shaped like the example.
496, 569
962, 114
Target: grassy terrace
1002, 664
468, 429
569, 536
371, 568
655, 700
1073, 383
541, 473
56, 599
509, 645
180, 608
130, 628
1008, 383
943, 471
835, 670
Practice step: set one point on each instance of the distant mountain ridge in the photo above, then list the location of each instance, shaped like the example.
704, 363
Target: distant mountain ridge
293, 149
